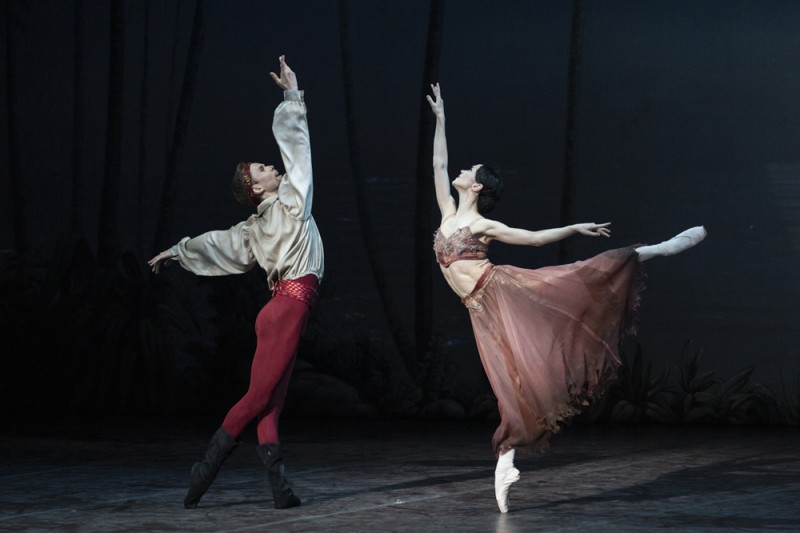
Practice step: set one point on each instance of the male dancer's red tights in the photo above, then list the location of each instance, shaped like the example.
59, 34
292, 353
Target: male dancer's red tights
278, 328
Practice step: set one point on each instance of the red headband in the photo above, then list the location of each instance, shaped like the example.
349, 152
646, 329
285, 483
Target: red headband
248, 183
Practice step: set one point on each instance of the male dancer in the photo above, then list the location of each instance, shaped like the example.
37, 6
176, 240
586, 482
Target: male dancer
283, 239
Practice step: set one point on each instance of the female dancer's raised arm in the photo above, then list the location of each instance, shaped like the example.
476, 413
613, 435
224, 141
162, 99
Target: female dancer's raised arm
447, 205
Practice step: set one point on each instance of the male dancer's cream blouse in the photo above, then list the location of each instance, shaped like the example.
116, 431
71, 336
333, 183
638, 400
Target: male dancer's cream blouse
282, 236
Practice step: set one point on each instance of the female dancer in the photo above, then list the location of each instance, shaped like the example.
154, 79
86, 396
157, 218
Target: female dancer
547, 338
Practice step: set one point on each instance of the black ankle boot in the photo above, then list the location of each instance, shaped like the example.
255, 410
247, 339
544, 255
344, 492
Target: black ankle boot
204, 472
282, 494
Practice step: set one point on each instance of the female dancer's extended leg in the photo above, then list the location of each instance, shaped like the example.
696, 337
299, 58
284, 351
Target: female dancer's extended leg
680, 242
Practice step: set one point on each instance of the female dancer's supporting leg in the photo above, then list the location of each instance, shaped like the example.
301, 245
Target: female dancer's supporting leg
505, 474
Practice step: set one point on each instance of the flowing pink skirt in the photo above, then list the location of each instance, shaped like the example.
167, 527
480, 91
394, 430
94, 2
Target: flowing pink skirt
548, 339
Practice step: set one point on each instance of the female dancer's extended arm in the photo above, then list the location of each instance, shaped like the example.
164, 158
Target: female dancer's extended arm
441, 180
499, 231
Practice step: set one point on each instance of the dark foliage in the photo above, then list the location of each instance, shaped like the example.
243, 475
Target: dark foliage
83, 337
346, 345
641, 396
695, 397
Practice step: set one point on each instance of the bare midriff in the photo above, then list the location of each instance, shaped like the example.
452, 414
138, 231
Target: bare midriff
463, 275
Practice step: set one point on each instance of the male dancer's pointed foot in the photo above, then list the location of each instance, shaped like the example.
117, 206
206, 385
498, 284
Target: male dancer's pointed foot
286, 500
205, 471
677, 244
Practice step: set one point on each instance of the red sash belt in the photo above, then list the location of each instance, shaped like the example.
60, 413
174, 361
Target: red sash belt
303, 289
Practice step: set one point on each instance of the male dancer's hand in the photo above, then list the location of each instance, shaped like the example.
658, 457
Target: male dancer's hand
287, 80
162, 259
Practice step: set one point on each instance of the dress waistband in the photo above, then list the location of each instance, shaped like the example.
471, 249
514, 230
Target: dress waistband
472, 300
304, 289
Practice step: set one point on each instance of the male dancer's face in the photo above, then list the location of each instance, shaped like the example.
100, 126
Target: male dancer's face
265, 178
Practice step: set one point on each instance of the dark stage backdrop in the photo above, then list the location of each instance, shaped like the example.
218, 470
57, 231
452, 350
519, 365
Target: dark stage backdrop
687, 115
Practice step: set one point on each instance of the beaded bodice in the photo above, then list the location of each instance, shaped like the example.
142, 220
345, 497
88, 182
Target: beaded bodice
462, 244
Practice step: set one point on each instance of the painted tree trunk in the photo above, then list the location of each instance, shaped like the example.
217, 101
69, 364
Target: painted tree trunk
143, 110
423, 230
17, 190
107, 245
390, 308
164, 221
573, 99
77, 120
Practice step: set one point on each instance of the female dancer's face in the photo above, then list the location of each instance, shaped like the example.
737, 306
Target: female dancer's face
466, 178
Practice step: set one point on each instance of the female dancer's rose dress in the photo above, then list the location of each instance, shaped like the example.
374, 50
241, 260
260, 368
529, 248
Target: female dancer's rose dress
548, 338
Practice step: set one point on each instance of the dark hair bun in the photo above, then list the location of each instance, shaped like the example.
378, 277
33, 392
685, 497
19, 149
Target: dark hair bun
492, 190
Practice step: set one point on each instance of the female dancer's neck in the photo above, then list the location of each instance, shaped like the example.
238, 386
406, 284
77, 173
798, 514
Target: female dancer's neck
467, 203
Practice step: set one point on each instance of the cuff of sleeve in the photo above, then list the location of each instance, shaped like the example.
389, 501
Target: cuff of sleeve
175, 250
294, 96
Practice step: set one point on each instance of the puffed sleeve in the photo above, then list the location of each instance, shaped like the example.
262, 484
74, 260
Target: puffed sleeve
216, 253
290, 128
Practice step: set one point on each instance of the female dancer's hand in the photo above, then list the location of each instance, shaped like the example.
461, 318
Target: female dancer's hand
593, 230
437, 104
287, 80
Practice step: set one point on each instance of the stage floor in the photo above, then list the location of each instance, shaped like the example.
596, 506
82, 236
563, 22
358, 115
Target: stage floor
374, 475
